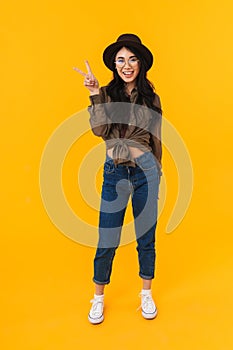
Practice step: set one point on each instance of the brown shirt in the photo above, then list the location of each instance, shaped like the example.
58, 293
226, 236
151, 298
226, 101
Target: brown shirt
123, 124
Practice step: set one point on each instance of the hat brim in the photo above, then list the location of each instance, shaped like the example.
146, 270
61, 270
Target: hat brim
111, 50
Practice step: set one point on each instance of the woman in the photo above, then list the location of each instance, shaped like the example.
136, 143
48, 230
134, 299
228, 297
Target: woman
127, 115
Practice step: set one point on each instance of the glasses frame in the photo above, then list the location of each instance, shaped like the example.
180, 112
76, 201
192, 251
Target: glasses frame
128, 61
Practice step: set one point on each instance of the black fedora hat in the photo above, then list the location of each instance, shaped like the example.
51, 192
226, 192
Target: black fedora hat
131, 40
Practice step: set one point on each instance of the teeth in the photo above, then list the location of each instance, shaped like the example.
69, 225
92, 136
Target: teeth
128, 73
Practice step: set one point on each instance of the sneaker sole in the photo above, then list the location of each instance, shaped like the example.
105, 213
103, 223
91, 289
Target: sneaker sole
95, 320
149, 316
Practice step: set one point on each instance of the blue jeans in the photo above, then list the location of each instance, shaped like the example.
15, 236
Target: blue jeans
142, 183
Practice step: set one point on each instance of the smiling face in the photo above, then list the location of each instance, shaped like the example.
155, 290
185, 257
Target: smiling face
127, 66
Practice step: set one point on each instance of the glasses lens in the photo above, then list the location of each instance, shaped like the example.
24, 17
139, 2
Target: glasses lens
120, 62
133, 61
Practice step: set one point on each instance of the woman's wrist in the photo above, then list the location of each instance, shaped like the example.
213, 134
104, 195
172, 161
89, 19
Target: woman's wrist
94, 92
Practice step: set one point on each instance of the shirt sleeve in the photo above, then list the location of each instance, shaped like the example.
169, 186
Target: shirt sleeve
100, 122
155, 132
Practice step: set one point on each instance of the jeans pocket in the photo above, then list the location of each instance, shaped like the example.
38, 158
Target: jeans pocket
146, 161
109, 167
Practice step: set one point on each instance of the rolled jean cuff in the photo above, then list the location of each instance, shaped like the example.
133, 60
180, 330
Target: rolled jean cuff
101, 283
146, 277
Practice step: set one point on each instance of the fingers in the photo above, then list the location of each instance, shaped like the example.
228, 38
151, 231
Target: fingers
80, 71
88, 67
90, 74
90, 81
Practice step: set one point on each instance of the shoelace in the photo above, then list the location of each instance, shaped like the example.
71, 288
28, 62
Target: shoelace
147, 302
97, 305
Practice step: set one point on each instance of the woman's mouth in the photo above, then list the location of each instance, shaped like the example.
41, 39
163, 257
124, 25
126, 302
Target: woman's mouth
128, 74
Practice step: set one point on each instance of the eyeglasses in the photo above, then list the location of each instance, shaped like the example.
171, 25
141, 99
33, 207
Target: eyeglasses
120, 62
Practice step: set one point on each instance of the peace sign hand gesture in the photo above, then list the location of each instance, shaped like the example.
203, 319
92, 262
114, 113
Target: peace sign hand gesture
90, 81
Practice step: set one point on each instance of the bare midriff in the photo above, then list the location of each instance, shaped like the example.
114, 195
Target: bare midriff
134, 151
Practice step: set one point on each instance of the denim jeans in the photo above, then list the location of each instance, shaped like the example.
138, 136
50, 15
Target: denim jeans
120, 182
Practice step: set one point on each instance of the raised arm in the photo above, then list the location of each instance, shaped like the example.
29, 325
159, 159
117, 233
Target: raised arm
100, 122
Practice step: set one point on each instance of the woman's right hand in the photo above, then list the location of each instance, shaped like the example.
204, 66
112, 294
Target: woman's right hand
90, 80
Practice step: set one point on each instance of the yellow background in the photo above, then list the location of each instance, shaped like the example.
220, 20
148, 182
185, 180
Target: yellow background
46, 277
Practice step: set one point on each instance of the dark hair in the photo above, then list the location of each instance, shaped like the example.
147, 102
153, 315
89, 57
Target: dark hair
146, 94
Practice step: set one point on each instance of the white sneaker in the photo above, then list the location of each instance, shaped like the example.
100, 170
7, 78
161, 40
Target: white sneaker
96, 315
149, 310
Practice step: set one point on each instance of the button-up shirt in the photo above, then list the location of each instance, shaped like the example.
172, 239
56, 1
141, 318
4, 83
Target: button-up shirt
123, 124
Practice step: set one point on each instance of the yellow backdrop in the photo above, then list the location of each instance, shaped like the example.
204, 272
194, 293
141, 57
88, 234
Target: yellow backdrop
45, 276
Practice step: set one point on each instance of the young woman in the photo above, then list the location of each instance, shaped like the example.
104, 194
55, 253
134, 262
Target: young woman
127, 115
